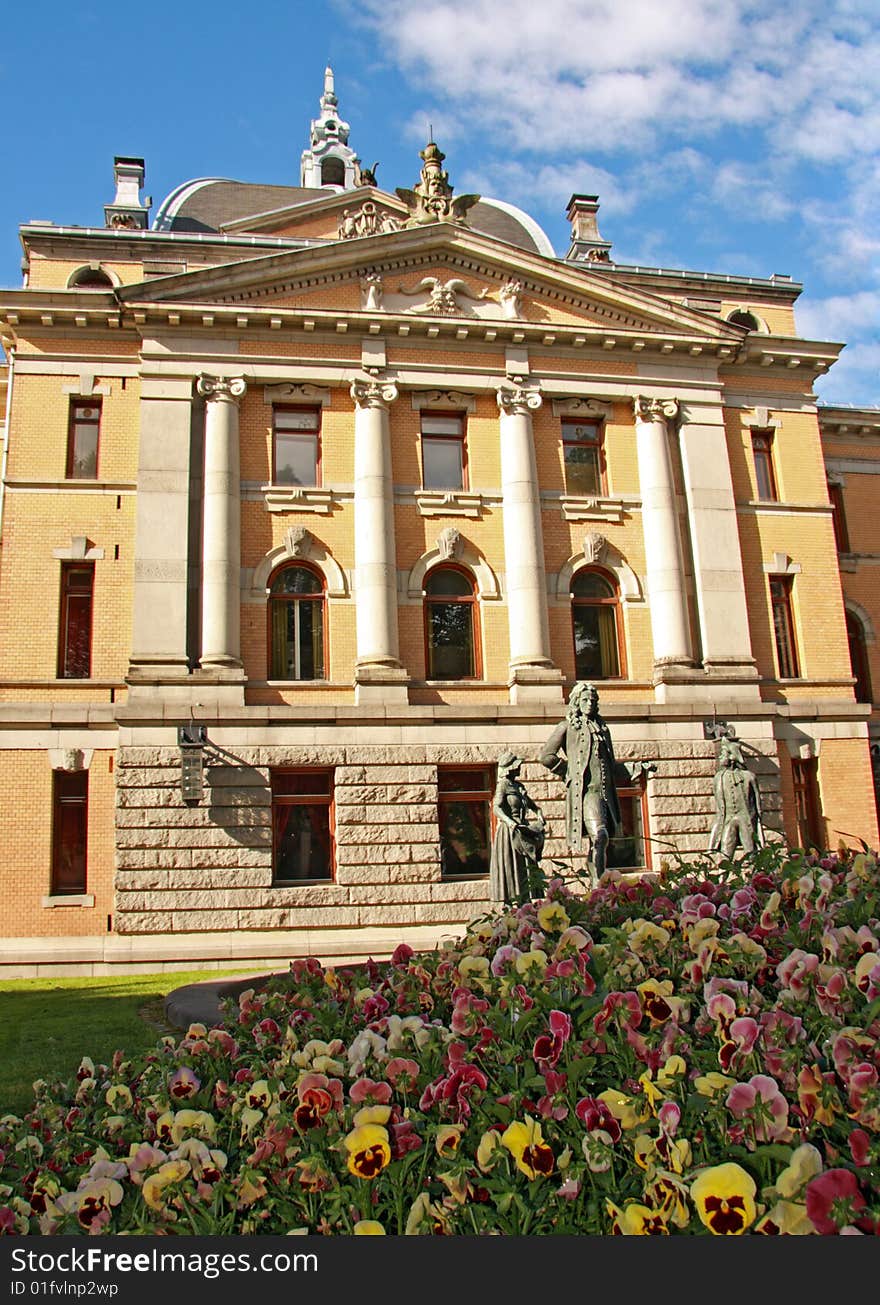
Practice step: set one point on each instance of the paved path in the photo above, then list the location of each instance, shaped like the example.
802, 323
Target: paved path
199, 1003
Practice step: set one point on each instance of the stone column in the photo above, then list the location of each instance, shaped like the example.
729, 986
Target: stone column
718, 568
161, 547
666, 593
378, 672
221, 525
532, 673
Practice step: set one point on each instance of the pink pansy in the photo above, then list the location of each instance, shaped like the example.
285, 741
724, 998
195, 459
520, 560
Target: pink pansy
623, 1007
402, 1073
761, 1101
548, 1047
830, 993
366, 1090
781, 1033
696, 907
795, 972
867, 975
669, 1118
860, 1147
834, 1200
183, 1084
864, 1096
505, 959
741, 1038
466, 1011
742, 902
402, 954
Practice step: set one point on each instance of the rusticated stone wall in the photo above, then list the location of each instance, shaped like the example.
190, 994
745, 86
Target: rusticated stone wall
188, 868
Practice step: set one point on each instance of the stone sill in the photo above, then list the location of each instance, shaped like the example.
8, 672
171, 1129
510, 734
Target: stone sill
68, 899
449, 503
298, 498
577, 507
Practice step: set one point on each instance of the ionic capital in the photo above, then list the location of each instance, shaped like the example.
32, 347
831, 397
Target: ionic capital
655, 410
519, 401
227, 389
373, 394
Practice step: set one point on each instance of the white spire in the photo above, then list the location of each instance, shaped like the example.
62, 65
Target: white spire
329, 162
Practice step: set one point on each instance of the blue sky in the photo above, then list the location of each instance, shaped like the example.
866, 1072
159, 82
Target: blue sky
723, 135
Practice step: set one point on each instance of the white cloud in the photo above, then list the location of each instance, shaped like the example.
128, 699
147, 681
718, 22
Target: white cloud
839, 317
854, 378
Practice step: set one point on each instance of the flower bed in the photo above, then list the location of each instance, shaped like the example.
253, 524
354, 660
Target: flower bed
691, 1054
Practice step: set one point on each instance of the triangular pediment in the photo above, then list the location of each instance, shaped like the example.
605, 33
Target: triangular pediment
350, 214
440, 271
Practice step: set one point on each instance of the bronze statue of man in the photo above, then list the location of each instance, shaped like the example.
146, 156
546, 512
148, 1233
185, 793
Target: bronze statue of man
592, 810
737, 803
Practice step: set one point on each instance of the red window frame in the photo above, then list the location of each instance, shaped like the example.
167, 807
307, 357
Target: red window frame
636, 793
70, 820
274, 599
75, 620
766, 488
82, 413
783, 627
478, 795
290, 787
317, 412
469, 600
595, 442
808, 820
613, 600
459, 438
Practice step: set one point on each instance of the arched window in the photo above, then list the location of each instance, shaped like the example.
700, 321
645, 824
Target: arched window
451, 642
332, 172
92, 277
296, 624
742, 317
595, 620
858, 656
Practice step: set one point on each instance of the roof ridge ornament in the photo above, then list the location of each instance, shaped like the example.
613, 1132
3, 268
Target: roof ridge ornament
432, 199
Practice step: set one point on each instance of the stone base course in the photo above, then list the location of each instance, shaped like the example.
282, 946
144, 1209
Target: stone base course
207, 867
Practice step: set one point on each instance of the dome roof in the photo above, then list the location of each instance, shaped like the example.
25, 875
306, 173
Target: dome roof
207, 204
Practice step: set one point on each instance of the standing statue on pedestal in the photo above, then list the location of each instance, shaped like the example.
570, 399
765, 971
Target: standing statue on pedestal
592, 811
737, 803
519, 835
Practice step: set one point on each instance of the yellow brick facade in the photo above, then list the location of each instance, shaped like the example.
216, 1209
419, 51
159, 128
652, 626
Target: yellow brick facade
160, 867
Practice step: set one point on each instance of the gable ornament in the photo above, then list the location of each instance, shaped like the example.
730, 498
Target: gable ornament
595, 545
450, 543
431, 200
443, 296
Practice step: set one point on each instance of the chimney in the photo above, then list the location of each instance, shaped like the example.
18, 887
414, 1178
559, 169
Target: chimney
127, 212
587, 245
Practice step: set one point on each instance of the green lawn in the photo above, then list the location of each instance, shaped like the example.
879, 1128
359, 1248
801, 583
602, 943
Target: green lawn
48, 1025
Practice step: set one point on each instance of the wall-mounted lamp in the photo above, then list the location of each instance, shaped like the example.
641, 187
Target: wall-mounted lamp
191, 740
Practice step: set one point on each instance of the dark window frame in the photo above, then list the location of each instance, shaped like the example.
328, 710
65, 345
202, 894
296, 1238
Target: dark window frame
323, 801
858, 657
612, 601
70, 798
474, 796
427, 414
76, 420
766, 483
68, 668
472, 601
597, 443
838, 516
318, 412
784, 632
274, 600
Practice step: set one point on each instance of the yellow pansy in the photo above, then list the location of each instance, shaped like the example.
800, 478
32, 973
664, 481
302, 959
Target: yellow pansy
725, 1199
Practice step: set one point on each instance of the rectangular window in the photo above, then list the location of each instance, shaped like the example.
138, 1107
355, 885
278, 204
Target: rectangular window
302, 825
296, 453
70, 808
762, 451
584, 458
75, 622
82, 439
783, 627
804, 775
841, 534
444, 460
464, 808
629, 849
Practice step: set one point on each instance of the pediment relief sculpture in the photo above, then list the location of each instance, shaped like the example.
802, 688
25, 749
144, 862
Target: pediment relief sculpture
368, 220
371, 291
443, 296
